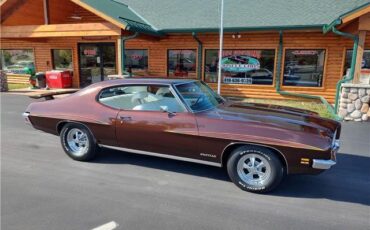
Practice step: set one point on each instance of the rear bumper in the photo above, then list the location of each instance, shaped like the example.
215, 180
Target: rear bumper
26, 118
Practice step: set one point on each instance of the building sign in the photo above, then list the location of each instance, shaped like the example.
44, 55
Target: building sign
241, 66
90, 52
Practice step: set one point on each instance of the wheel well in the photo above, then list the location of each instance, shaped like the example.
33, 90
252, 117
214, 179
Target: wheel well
60, 126
230, 148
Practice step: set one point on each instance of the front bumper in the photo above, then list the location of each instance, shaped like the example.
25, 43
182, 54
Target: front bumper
322, 164
327, 164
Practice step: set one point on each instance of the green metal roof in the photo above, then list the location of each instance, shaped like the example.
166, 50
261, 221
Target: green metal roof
203, 15
122, 14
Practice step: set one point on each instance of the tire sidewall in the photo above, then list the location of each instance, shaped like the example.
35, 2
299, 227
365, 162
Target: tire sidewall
276, 174
89, 154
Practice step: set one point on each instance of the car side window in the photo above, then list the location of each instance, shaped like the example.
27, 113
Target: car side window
141, 97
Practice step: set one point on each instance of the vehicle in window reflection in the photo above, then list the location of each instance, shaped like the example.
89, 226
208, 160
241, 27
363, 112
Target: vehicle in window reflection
258, 144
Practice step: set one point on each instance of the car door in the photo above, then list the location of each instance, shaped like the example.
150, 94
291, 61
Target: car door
158, 125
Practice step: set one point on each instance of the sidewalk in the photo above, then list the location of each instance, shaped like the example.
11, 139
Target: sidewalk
33, 92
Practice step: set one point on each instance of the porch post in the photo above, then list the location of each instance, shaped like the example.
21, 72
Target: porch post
360, 53
119, 56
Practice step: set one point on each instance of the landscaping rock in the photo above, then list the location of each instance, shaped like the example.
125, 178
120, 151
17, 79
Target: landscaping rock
344, 95
353, 90
368, 91
348, 118
365, 99
365, 108
358, 119
352, 96
342, 113
368, 113
358, 104
365, 117
343, 105
350, 108
356, 114
346, 90
361, 92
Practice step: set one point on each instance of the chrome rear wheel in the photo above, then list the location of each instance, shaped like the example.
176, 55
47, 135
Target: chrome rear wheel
77, 141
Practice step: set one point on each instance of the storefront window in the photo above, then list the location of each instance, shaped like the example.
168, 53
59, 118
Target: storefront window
136, 62
365, 64
62, 59
241, 66
182, 63
304, 67
17, 61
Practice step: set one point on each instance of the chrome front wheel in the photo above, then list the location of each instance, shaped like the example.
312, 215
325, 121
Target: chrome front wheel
254, 169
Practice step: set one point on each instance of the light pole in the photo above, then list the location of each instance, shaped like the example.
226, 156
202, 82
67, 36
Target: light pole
221, 45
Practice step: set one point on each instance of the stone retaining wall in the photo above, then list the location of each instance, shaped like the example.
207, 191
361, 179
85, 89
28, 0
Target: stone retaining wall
354, 102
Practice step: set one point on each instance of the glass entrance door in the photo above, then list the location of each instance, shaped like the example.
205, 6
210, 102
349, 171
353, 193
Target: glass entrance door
97, 61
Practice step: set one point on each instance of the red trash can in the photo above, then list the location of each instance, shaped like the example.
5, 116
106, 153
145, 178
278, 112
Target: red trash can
59, 79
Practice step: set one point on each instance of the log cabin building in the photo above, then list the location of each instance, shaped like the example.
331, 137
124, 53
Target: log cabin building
303, 47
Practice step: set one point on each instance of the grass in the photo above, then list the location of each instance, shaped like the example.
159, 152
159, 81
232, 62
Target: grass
308, 105
13, 86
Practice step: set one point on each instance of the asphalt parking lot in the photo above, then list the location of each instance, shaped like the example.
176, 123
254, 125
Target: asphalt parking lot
41, 188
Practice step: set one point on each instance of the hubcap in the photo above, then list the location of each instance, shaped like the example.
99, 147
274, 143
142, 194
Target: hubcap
253, 169
77, 141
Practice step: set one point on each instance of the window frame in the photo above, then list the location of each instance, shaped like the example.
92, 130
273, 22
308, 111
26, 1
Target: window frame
322, 87
196, 63
147, 50
52, 57
23, 48
345, 50
170, 86
244, 85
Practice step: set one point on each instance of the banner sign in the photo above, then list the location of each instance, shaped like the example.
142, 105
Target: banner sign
239, 64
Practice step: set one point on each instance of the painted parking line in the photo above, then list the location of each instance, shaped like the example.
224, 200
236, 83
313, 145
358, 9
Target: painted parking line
108, 226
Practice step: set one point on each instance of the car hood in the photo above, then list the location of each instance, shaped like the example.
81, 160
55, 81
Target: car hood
274, 122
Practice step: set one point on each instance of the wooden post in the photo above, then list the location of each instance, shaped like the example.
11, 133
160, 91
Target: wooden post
360, 54
46, 11
119, 55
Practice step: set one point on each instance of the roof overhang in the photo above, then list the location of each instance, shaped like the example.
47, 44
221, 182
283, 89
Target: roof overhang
347, 17
132, 23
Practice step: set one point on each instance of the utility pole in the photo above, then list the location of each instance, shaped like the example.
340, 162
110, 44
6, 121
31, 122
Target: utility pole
221, 47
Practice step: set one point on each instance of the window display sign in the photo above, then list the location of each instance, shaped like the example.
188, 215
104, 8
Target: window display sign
304, 67
241, 66
182, 63
136, 62
17, 61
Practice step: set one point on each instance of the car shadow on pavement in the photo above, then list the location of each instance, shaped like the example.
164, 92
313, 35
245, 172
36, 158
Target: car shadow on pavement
109, 156
348, 181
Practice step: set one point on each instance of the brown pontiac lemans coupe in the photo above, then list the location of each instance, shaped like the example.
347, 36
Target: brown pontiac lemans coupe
184, 119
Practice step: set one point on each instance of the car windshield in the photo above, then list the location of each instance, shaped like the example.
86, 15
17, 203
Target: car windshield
198, 96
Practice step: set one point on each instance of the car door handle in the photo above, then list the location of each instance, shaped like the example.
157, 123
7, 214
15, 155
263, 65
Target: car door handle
125, 118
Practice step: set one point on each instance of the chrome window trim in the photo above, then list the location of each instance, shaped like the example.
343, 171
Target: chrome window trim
97, 97
162, 155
